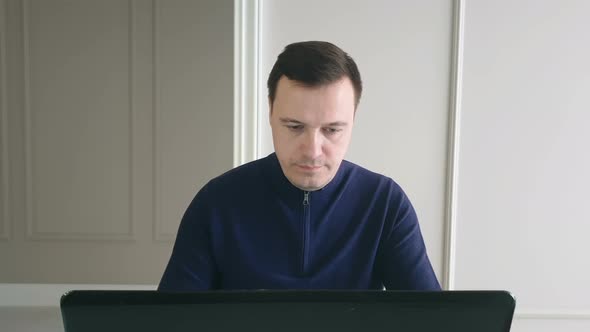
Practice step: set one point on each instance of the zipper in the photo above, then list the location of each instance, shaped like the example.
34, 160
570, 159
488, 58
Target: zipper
305, 233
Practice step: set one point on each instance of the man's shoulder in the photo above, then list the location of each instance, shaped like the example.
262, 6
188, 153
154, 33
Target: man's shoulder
376, 186
238, 177
364, 173
369, 179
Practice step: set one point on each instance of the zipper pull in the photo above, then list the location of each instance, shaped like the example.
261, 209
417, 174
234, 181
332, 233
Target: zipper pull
306, 198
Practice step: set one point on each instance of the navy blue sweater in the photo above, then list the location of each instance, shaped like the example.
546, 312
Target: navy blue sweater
252, 229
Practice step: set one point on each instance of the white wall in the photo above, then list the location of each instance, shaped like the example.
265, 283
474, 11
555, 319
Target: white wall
524, 177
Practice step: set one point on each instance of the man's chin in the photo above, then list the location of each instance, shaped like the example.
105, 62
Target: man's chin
310, 185
309, 182
310, 188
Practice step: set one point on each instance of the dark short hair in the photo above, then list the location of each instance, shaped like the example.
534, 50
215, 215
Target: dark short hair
314, 63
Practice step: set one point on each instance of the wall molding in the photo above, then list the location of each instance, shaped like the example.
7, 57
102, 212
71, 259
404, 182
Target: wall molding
5, 231
30, 214
158, 235
247, 28
48, 295
454, 127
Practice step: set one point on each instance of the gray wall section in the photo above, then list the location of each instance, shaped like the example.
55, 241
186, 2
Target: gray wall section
118, 113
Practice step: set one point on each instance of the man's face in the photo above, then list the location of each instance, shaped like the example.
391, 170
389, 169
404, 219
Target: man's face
311, 130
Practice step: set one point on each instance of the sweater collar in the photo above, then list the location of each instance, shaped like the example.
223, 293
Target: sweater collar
285, 188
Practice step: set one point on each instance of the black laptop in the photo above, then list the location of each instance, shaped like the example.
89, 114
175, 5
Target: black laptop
276, 311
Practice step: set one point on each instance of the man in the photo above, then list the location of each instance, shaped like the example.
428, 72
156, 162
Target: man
302, 218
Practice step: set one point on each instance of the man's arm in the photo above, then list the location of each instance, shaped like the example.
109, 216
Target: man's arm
404, 263
191, 266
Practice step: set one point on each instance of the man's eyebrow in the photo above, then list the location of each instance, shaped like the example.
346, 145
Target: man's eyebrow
337, 124
289, 120
331, 124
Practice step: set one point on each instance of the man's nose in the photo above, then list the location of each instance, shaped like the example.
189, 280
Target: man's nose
312, 145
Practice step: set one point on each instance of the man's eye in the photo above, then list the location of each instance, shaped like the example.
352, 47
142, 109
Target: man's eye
295, 127
331, 131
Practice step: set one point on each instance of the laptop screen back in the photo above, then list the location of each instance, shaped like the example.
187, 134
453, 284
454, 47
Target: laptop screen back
309, 311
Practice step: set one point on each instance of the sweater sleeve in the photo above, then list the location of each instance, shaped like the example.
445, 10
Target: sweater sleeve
191, 266
403, 258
